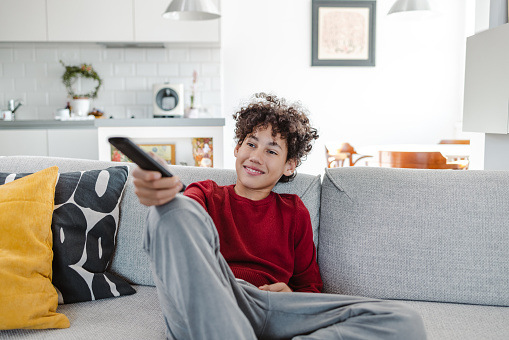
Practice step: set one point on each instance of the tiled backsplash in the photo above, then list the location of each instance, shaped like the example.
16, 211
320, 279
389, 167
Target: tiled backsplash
32, 73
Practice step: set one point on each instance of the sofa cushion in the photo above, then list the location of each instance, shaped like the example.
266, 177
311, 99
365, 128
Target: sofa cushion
451, 321
85, 223
136, 316
27, 297
432, 235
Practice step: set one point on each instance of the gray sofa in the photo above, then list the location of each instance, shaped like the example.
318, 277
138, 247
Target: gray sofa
436, 239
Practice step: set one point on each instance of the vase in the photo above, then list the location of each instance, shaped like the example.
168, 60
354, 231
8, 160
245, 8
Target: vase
193, 113
81, 106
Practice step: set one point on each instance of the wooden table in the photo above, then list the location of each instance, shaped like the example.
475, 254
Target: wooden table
415, 155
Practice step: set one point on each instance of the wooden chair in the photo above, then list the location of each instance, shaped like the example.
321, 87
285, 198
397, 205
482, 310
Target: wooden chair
336, 157
456, 141
418, 160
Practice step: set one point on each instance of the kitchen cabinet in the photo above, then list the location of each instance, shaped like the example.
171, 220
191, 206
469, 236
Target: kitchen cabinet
150, 26
99, 21
23, 142
73, 143
23, 20
88, 139
90, 20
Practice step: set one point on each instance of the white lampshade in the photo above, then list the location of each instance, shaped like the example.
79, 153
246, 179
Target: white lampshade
410, 5
191, 10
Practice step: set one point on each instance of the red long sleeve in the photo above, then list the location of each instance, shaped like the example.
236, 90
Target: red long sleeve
264, 241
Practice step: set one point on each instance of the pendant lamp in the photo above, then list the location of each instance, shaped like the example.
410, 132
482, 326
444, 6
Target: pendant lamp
409, 5
191, 10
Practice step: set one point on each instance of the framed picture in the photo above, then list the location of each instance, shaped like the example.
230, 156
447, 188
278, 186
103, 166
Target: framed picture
165, 151
203, 152
343, 33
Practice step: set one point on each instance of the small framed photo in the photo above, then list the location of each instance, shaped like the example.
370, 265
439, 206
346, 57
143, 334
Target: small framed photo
203, 152
165, 151
343, 33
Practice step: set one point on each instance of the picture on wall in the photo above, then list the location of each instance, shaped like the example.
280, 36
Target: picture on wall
343, 33
165, 151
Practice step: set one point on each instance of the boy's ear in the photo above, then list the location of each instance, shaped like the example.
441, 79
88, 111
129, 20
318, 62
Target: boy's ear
290, 166
236, 150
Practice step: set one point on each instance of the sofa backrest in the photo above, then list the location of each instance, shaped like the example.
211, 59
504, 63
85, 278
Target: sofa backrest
433, 235
129, 260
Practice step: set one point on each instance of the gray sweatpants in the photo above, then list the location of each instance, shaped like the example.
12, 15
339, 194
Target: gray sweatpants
201, 299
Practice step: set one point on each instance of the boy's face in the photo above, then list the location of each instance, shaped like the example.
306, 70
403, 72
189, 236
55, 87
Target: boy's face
261, 161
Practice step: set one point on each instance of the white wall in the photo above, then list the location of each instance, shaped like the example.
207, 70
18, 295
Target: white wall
413, 95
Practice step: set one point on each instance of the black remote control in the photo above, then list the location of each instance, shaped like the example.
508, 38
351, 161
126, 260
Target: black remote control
140, 157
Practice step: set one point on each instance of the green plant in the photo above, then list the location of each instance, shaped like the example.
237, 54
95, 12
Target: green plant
193, 88
72, 73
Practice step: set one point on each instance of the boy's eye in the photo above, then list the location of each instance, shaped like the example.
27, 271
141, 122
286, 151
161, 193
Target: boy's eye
251, 145
272, 152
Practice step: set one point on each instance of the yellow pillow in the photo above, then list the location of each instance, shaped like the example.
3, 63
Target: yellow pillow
27, 297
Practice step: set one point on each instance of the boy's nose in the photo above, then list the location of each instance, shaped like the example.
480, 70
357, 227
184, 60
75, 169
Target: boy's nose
256, 156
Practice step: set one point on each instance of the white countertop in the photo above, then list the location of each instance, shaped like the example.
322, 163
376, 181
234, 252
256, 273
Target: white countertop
97, 123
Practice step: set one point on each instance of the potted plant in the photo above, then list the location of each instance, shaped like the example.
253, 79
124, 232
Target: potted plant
81, 101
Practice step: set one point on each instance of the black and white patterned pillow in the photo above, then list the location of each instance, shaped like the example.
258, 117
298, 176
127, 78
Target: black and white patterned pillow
84, 226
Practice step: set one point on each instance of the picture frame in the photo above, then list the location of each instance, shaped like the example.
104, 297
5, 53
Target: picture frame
203, 152
343, 33
165, 151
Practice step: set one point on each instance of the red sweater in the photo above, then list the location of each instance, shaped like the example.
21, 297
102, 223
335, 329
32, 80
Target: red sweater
264, 241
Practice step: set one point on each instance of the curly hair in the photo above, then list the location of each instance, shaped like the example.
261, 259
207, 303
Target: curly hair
288, 119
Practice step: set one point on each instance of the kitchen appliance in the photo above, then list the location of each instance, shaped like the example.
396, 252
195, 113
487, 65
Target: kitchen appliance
168, 100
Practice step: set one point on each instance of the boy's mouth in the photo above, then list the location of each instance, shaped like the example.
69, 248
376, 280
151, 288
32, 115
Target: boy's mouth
253, 171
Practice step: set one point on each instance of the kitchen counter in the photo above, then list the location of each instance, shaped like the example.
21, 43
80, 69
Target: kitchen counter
88, 139
96, 123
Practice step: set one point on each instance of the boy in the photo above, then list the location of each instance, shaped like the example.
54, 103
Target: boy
238, 262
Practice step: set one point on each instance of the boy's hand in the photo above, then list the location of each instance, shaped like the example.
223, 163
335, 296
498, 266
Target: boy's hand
276, 287
152, 189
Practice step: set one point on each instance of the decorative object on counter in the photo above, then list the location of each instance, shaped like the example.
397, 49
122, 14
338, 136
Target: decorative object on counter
97, 113
191, 10
165, 151
193, 111
203, 152
193, 88
62, 114
81, 101
81, 106
6, 115
168, 100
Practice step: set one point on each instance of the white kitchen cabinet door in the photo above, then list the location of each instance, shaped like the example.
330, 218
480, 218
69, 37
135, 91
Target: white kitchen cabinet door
90, 20
73, 143
23, 143
150, 26
23, 20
